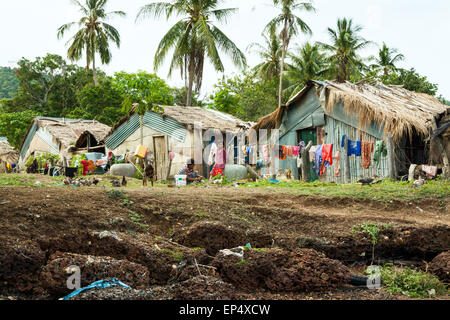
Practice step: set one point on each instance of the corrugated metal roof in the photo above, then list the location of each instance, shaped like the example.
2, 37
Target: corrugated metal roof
26, 143
122, 132
165, 125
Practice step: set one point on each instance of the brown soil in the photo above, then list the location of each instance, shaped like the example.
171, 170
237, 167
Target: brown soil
440, 266
54, 274
39, 225
282, 271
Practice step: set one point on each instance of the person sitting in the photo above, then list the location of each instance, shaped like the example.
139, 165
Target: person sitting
191, 175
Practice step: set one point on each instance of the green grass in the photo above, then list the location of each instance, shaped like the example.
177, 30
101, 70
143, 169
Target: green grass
385, 191
177, 255
410, 282
137, 218
241, 263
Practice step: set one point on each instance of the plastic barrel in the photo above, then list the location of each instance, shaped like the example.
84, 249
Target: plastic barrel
235, 172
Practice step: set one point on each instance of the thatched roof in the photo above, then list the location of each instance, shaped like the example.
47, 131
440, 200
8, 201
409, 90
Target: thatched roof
67, 131
210, 119
400, 111
8, 153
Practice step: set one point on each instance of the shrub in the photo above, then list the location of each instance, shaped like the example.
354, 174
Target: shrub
410, 282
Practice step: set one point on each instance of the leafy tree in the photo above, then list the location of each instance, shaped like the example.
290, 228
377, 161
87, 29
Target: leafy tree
142, 92
307, 63
47, 86
143, 86
270, 55
411, 80
193, 38
94, 34
8, 82
291, 25
227, 102
386, 60
102, 103
344, 47
180, 94
246, 96
14, 126
443, 100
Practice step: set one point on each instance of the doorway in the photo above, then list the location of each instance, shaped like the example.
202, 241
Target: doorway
161, 157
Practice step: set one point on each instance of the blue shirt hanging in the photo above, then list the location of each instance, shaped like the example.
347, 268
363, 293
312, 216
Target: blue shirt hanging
318, 160
354, 147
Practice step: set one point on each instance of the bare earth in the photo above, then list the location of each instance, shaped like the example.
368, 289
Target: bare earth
61, 220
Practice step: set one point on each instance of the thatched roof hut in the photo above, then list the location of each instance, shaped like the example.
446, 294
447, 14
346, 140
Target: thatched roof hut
399, 111
7, 153
325, 112
58, 135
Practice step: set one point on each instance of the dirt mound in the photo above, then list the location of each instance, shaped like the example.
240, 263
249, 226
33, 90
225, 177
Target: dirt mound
19, 264
55, 273
205, 288
280, 270
158, 256
212, 236
191, 271
411, 243
440, 266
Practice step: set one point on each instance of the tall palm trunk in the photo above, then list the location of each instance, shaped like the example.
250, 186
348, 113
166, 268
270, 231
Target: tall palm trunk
283, 55
93, 69
191, 79
87, 60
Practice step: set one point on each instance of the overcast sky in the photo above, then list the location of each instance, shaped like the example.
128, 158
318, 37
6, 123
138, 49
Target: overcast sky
418, 29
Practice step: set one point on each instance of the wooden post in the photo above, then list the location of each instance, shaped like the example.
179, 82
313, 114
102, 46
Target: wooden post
168, 171
390, 157
446, 168
305, 165
347, 175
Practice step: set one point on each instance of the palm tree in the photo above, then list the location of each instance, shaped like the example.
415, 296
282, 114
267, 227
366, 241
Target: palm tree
93, 35
346, 42
387, 58
269, 68
291, 26
307, 63
193, 38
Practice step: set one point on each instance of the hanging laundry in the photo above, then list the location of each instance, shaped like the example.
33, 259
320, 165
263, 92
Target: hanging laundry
301, 145
337, 165
318, 159
312, 153
367, 149
265, 149
327, 155
212, 154
380, 149
281, 153
354, 147
295, 151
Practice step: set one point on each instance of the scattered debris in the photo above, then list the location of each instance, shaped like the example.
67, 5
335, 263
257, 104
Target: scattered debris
101, 284
93, 268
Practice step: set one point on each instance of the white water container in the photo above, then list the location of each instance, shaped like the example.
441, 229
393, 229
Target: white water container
180, 180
